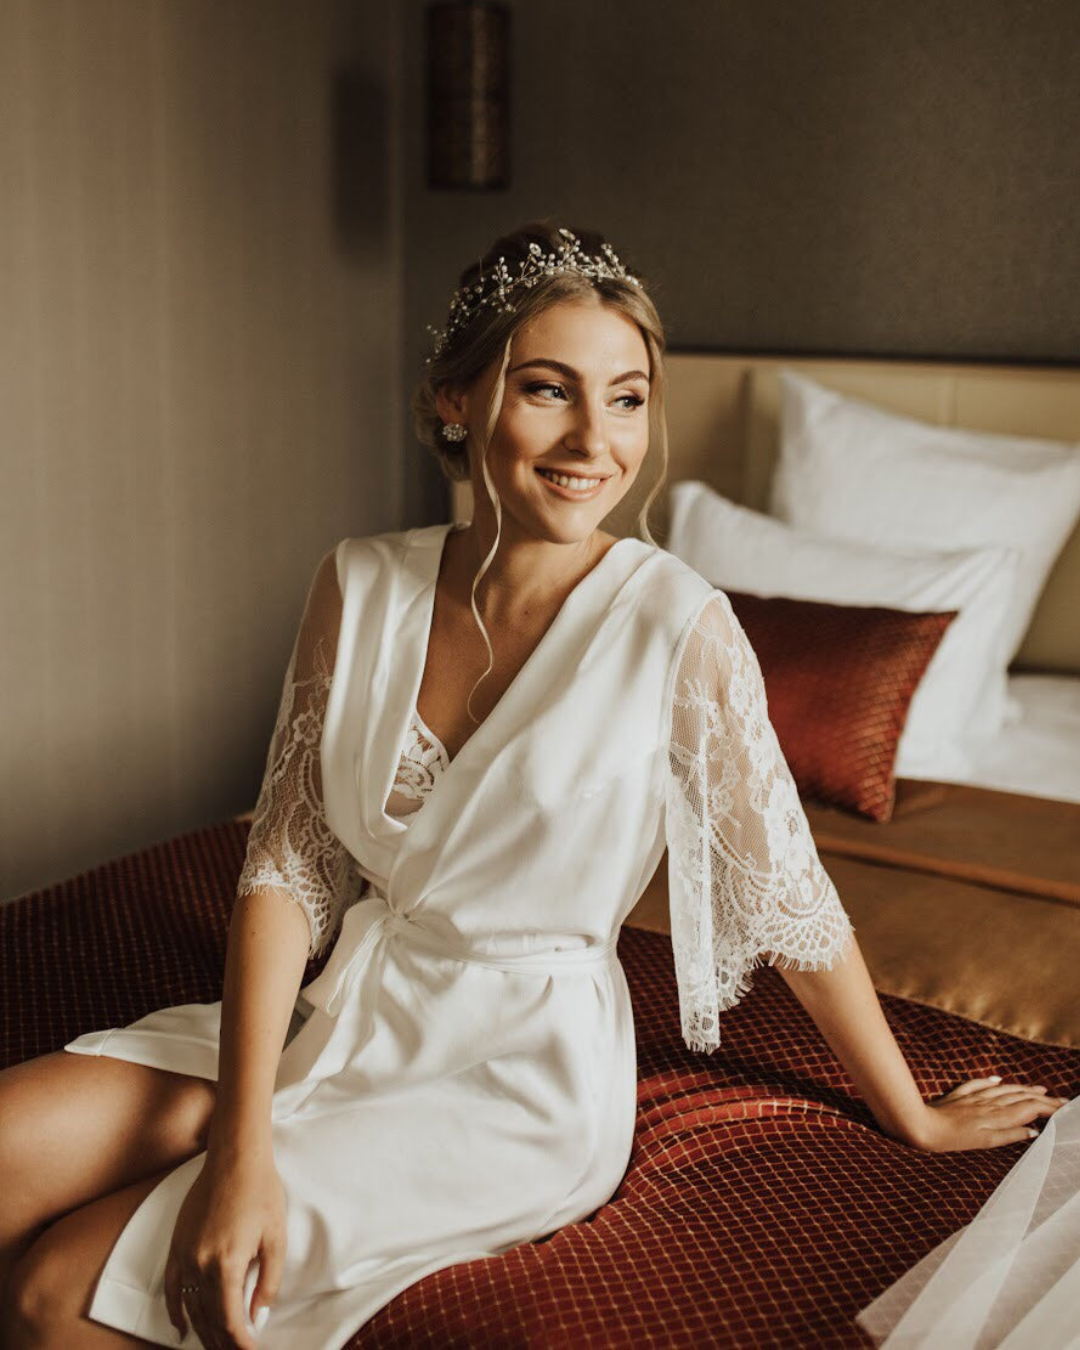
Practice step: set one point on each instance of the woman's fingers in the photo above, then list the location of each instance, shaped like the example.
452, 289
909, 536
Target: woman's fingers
1007, 1097
271, 1264
1000, 1090
994, 1138
221, 1301
173, 1302
998, 1106
1020, 1113
196, 1304
972, 1085
232, 1291
979, 1090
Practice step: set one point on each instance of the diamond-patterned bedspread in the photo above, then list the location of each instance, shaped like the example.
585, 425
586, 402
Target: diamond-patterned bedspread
761, 1207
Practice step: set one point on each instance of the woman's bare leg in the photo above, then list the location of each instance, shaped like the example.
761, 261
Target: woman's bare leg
76, 1127
52, 1284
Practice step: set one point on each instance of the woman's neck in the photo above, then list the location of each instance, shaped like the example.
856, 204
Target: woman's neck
527, 579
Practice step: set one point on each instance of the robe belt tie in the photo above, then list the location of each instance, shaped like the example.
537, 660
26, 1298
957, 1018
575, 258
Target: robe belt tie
372, 918
549, 960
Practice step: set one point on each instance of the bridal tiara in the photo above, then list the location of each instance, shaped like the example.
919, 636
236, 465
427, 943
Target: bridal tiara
496, 286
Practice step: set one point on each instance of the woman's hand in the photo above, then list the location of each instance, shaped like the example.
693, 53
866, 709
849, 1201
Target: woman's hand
981, 1113
233, 1214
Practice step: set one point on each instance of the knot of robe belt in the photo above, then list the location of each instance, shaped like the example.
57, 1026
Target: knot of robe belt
377, 919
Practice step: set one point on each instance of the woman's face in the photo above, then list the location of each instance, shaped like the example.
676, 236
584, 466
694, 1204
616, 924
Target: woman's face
576, 406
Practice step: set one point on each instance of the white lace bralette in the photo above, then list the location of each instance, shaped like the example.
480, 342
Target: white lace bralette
422, 760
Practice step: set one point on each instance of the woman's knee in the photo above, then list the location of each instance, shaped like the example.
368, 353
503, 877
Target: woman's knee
51, 1286
39, 1298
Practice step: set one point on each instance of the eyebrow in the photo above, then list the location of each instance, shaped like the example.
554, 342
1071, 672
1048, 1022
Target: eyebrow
572, 374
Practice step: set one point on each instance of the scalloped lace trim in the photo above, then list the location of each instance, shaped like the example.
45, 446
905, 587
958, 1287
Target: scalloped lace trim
745, 881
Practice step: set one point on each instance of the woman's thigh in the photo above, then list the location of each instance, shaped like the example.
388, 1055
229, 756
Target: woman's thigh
76, 1127
51, 1287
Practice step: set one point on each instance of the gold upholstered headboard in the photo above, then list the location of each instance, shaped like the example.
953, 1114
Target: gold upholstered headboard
723, 428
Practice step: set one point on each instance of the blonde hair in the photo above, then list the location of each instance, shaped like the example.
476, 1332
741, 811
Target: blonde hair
487, 337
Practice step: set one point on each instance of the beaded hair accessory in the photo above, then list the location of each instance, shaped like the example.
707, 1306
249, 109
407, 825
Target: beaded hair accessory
496, 286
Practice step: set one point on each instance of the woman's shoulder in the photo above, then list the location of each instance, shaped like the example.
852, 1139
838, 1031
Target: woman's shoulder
383, 574
389, 541
665, 598
673, 590
364, 557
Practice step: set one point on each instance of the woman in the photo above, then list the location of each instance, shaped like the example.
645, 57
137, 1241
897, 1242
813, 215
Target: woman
479, 816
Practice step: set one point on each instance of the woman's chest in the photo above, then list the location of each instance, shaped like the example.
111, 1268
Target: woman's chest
566, 730
422, 762
457, 690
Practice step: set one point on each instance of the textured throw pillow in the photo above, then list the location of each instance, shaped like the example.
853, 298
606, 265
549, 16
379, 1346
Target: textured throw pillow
849, 470
963, 694
839, 680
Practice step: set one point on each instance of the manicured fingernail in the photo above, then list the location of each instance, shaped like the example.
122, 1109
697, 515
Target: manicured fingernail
1033, 1134
994, 1078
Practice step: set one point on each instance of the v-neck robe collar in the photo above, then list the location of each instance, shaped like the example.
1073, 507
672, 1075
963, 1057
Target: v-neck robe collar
388, 650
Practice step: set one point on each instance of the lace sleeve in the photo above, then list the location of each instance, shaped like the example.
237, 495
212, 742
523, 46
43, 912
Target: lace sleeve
291, 848
744, 878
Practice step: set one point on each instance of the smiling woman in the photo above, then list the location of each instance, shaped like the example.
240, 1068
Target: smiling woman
555, 375
459, 1076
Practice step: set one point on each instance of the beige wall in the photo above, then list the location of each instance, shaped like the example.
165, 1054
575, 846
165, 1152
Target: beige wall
198, 358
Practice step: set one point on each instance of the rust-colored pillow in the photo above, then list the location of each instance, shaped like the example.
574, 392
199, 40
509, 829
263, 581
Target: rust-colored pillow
839, 679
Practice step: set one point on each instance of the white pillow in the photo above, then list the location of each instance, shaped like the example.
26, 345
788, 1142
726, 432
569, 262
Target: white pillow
852, 471
963, 692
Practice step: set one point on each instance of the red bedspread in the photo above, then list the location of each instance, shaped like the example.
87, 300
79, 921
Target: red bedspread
761, 1206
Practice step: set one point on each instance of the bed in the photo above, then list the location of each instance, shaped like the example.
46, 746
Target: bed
762, 1206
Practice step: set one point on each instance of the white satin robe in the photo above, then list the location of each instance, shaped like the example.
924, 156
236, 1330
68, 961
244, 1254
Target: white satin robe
466, 1079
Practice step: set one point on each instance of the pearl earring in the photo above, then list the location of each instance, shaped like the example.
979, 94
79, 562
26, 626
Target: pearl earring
454, 431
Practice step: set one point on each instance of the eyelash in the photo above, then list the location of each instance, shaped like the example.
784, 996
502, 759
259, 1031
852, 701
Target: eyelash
635, 399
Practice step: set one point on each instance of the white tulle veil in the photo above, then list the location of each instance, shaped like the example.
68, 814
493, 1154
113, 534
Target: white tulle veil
1010, 1280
